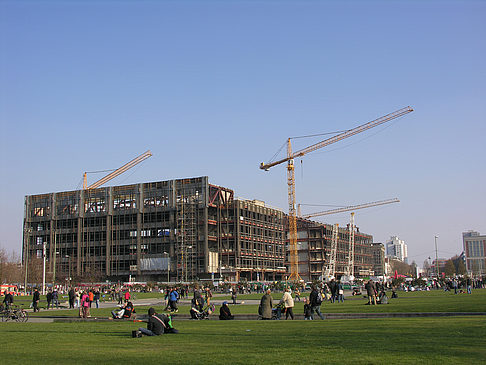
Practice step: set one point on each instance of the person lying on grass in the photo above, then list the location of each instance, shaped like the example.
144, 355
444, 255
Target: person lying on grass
157, 325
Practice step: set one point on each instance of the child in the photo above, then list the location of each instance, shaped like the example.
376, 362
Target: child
307, 310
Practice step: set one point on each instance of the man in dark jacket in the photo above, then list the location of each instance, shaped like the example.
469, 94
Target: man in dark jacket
333, 288
72, 296
315, 299
49, 299
8, 300
35, 301
157, 325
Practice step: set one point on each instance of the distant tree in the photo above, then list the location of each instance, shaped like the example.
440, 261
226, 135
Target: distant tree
449, 268
461, 268
10, 269
402, 268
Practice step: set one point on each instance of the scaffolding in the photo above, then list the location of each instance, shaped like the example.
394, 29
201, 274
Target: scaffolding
187, 248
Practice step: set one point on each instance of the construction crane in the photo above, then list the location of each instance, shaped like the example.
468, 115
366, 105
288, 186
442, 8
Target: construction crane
294, 265
331, 266
115, 173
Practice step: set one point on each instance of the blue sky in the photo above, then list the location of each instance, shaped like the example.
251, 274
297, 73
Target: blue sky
215, 87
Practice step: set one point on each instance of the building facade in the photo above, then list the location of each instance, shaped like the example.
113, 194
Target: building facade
314, 250
474, 246
396, 249
378, 257
176, 230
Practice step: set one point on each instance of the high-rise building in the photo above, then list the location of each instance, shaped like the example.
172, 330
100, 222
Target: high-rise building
474, 245
396, 249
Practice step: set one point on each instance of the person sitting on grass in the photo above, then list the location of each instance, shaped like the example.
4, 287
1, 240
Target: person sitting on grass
196, 307
224, 312
157, 325
124, 312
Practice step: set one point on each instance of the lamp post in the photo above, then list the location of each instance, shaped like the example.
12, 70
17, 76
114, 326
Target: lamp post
44, 268
69, 270
27, 231
436, 258
168, 267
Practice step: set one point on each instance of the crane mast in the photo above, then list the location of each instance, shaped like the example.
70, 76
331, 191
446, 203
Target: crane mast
349, 270
294, 257
294, 273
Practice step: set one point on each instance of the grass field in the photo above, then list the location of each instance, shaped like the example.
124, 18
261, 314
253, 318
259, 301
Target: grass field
433, 301
457, 340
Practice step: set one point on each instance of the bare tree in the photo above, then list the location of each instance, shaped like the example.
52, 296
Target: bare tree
10, 268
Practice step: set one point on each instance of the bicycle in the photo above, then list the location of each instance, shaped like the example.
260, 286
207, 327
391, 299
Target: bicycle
15, 314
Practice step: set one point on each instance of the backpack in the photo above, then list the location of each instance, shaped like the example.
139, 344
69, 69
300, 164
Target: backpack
319, 299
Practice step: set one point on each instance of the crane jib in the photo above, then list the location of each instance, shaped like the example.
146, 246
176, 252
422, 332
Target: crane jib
340, 136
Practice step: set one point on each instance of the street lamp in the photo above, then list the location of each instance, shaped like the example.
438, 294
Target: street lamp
27, 231
436, 258
44, 268
69, 269
168, 267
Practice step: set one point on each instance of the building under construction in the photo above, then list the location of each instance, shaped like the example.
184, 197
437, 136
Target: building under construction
314, 241
177, 230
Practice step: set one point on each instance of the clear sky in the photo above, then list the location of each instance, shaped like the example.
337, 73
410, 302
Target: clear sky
215, 87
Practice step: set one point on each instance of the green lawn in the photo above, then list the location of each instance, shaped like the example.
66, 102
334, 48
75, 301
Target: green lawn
433, 301
456, 340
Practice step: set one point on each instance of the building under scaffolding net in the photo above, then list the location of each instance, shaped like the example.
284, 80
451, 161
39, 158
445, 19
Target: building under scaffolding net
177, 230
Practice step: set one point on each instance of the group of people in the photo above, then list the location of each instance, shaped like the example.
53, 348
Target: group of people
312, 305
376, 293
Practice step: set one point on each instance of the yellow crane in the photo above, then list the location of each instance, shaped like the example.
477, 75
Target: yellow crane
115, 173
294, 264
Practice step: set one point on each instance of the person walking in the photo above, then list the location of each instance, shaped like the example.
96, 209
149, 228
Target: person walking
173, 298
84, 309
35, 301
266, 304
307, 309
208, 296
333, 288
49, 298
297, 294
77, 298
91, 297
71, 296
288, 302
96, 297
340, 292
371, 292
55, 299
315, 299
469, 285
